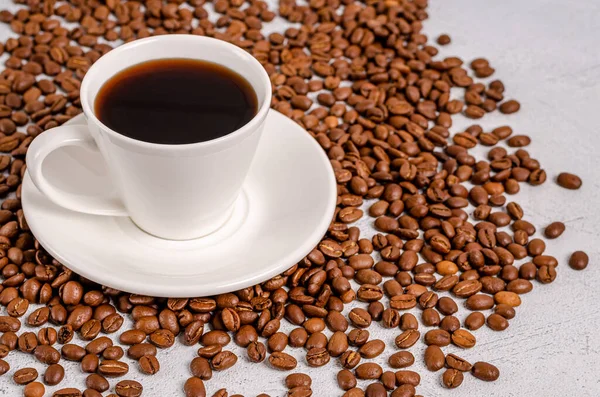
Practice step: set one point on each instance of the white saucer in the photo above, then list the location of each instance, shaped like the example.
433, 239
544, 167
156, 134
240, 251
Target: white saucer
287, 204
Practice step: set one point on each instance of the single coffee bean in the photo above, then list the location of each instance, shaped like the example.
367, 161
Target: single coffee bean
346, 379
453, 361
54, 374
578, 260
452, 378
223, 360
317, 357
200, 367
34, 389
209, 351
554, 230
407, 339
4, 367
194, 387
349, 359
97, 382
401, 359
128, 388
282, 361
497, 322
24, 376
297, 380
508, 298
141, 349
463, 338
47, 354
408, 377
358, 337
434, 358
149, 365
92, 393
27, 342
68, 392
568, 181
368, 371
437, 337
132, 337
113, 368
485, 371
89, 363
372, 348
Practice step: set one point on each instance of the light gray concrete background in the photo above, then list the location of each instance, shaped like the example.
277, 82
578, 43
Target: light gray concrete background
545, 52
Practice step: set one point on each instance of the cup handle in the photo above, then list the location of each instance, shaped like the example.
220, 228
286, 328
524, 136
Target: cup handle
49, 141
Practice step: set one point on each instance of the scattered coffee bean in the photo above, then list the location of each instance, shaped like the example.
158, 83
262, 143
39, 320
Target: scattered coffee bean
568, 181
578, 260
485, 371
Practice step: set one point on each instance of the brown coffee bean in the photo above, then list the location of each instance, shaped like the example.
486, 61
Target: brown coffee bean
437, 337
463, 338
54, 374
47, 354
194, 387
452, 378
497, 322
434, 358
408, 377
297, 380
97, 382
257, 352
141, 349
98, 345
568, 181
67, 392
128, 388
368, 371
27, 342
282, 361
453, 361
113, 368
346, 380
317, 357
407, 339
73, 352
510, 107
25, 375
149, 365
372, 348
443, 39
34, 389
215, 337
89, 363
401, 359
223, 360
506, 311
578, 260
485, 371
554, 230
508, 298
9, 324
4, 367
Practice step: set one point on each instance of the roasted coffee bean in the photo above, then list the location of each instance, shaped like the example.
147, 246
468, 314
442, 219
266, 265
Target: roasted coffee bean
578, 260
97, 382
282, 361
401, 359
437, 337
73, 352
568, 181
34, 389
67, 392
346, 379
128, 388
297, 380
434, 358
485, 371
47, 354
25, 375
54, 374
453, 361
113, 368
194, 387
316, 357
141, 349
149, 365
452, 378
408, 377
368, 371
372, 348
463, 338
257, 352
89, 363
223, 360
554, 230
407, 339
4, 367
497, 322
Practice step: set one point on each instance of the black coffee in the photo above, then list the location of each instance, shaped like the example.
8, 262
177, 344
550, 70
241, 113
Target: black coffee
176, 101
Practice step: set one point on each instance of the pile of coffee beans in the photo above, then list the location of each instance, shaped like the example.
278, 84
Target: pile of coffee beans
365, 81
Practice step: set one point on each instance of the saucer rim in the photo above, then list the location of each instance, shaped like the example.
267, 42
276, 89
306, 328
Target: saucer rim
280, 265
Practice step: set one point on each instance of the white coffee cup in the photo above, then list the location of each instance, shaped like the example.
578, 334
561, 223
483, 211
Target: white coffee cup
171, 191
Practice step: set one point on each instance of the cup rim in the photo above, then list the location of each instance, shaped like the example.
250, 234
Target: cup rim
216, 143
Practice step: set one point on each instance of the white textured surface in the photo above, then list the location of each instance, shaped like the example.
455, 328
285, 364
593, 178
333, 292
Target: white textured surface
544, 51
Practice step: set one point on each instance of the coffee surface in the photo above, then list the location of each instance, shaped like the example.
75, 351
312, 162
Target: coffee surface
176, 101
